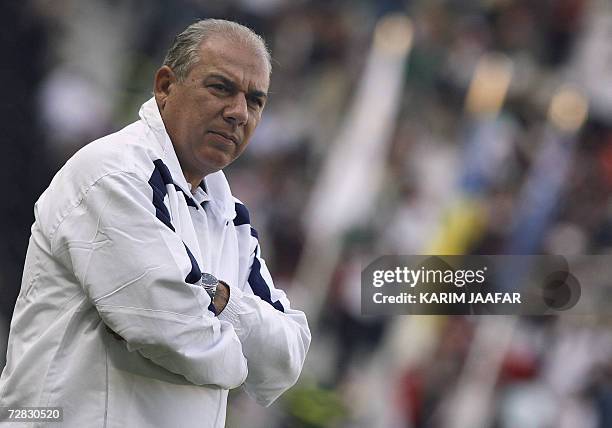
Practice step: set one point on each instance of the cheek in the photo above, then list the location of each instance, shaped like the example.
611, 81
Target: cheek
175, 116
250, 128
190, 127
186, 110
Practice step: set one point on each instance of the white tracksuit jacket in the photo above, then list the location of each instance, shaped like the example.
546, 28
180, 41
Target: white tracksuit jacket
118, 245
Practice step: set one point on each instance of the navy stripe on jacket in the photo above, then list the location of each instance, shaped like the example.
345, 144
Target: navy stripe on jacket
256, 281
160, 178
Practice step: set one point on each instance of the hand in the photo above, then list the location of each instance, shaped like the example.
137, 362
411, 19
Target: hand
221, 297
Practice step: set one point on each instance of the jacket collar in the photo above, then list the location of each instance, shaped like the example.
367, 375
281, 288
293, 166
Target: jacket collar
217, 187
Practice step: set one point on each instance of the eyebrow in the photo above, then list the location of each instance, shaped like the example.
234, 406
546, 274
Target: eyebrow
231, 84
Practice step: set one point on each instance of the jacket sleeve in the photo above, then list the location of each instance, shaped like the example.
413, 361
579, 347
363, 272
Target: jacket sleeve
134, 269
275, 338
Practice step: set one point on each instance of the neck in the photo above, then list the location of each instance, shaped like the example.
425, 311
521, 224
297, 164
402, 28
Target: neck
194, 184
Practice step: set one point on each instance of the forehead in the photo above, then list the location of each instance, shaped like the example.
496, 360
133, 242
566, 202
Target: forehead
240, 62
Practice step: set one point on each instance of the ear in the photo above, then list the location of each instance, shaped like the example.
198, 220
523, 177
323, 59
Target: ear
164, 81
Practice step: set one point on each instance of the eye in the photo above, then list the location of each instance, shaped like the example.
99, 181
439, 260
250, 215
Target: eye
256, 101
219, 87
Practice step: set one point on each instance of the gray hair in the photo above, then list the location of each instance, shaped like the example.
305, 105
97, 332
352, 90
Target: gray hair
185, 51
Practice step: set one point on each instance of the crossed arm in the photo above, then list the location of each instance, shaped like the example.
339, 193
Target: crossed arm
133, 268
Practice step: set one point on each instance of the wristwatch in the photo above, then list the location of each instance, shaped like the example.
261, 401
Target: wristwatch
209, 283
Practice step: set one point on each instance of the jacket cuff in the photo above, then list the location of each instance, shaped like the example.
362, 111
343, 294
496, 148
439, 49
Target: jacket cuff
234, 308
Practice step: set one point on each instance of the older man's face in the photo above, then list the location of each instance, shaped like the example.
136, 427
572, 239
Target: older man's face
211, 116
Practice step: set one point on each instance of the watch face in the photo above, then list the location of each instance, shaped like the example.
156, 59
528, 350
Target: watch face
209, 280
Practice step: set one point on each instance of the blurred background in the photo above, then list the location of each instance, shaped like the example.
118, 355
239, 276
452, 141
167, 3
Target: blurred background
393, 127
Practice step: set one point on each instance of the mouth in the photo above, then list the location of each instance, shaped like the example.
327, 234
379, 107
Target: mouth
229, 137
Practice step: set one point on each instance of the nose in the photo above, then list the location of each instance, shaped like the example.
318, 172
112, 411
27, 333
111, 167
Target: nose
236, 112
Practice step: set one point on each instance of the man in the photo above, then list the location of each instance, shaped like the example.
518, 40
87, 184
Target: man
144, 296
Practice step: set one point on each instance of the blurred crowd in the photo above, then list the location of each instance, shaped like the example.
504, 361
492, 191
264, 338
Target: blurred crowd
77, 70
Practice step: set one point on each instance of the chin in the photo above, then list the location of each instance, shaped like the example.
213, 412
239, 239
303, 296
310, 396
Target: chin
215, 159
213, 165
